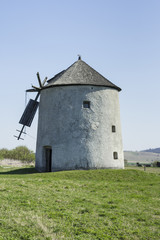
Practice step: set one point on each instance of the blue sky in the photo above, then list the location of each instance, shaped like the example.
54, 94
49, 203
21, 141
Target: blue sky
118, 38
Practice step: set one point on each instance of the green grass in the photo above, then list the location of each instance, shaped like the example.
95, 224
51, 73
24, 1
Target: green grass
95, 204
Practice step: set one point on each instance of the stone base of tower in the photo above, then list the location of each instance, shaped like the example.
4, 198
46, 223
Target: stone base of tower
73, 169
55, 166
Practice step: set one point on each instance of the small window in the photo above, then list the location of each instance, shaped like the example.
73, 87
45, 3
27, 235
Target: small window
113, 128
86, 104
115, 155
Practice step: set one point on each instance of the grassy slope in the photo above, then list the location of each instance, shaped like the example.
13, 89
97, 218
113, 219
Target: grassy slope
98, 204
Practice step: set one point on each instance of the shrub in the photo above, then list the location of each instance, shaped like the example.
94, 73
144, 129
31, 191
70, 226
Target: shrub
19, 153
1, 157
3, 153
156, 164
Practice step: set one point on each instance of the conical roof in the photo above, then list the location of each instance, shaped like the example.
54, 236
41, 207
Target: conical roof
80, 73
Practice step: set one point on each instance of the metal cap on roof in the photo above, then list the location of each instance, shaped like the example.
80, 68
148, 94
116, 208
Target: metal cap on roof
80, 73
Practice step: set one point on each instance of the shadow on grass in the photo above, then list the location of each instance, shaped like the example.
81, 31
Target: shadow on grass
20, 171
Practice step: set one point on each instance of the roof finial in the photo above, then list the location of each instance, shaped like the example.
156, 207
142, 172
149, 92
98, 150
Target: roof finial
79, 57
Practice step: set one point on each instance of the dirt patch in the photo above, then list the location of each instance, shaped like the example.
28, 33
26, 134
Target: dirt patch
14, 163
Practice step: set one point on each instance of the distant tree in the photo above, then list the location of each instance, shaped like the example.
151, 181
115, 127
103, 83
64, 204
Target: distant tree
3, 153
156, 164
18, 153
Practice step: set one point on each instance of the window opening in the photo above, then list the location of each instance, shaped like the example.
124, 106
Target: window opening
113, 128
86, 104
115, 155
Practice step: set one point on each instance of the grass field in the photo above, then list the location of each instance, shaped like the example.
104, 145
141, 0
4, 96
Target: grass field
95, 204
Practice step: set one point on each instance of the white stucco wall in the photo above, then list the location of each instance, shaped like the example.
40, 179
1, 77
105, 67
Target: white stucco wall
80, 138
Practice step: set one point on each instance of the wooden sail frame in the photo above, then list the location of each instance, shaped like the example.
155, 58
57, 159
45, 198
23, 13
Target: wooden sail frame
31, 108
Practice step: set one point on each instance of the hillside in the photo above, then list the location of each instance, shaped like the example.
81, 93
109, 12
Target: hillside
152, 150
141, 157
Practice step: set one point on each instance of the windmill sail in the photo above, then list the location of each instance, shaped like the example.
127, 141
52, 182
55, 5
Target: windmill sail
29, 113
31, 108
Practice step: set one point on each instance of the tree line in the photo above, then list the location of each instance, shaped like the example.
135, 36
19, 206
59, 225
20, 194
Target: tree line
19, 153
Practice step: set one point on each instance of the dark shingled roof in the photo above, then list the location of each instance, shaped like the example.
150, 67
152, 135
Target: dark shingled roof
80, 73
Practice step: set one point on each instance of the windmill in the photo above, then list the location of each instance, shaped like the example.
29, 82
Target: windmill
31, 108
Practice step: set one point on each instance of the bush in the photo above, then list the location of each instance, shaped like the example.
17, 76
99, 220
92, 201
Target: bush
156, 164
1, 157
3, 153
18, 153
